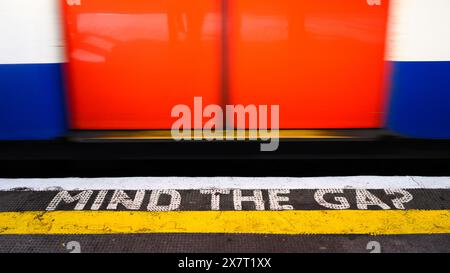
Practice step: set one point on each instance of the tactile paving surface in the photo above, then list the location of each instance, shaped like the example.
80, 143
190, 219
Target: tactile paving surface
225, 243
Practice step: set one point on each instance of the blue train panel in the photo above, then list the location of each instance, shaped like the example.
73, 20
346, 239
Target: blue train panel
31, 56
31, 102
419, 49
420, 101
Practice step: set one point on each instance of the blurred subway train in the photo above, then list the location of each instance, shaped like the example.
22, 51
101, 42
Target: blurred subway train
119, 67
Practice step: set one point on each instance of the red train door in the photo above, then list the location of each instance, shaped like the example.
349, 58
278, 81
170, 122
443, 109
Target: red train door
321, 60
132, 61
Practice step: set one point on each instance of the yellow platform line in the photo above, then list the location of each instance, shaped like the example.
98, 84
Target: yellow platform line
248, 222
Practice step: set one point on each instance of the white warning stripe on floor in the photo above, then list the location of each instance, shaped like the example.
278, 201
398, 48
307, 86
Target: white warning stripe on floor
193, 183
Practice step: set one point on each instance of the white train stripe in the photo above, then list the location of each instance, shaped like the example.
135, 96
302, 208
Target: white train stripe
194, 183
31, 32
419, 30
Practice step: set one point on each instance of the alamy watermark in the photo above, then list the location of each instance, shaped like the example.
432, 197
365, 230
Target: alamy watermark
212, 122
